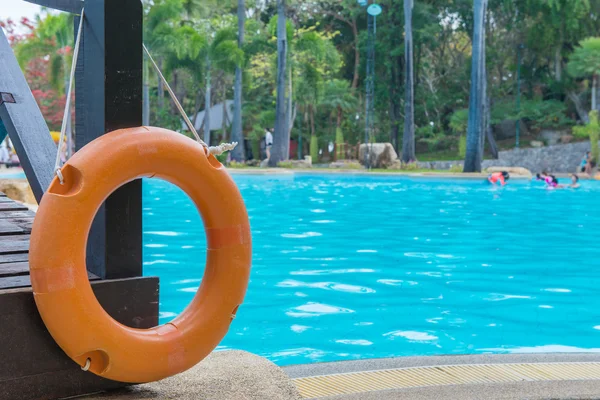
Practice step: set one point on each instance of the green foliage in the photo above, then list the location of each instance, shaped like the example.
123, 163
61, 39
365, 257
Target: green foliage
585, 60
457, 168
591, 130
459, 120
462, 146
339, 144
285, 164
537, 113
314, 148
237, 165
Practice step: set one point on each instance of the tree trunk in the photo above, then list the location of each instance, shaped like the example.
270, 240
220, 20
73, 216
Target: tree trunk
197, 106
289, 105
161, 88
595, 92
237, 135
356, 55
146, 97
408, 140
581, 111
488, 129
280, 149
207, 103
477, 95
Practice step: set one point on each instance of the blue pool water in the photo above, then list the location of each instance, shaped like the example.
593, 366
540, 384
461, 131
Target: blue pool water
352, 267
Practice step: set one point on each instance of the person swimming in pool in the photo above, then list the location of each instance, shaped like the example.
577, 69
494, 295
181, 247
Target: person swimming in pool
501, 177
574, 182
550, 180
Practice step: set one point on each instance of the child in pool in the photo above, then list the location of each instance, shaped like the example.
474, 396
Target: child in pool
574, 182
550, 180
501, 177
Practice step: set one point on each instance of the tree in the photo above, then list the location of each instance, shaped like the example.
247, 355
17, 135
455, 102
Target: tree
585, 63
338, 98
477, 100
281, 141
238, 154
408, 140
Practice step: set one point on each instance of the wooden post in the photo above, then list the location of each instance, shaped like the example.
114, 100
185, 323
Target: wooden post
25, 123
109, 97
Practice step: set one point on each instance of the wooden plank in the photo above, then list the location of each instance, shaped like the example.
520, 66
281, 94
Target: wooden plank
10, 214
9, 228
23, 280
14, 269
10, 258
12, 206
33, 367
71, 6
109, 97
25, 123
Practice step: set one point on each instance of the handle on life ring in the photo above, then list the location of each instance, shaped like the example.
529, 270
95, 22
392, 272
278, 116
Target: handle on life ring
62, 292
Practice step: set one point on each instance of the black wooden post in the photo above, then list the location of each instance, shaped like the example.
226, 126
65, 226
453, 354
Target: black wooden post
24, 122
109, 97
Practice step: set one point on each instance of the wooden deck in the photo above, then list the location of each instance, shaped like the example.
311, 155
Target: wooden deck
33, 367
15, 227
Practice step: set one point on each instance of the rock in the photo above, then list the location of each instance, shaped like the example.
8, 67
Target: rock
253, 163
306, 163
440, 165
536, 143
264, 163
517, 171
381, 155
551, 137
566, 139
223, 375
396, 164
346, 164
507, 129
560, 158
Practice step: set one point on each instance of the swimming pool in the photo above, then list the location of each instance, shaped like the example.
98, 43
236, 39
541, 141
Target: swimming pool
353, 267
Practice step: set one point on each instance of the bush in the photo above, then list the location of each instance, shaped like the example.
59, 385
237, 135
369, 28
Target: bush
235, 164
285, 164
462, 146
537, 113
339, 144
314, 148
459, 121
411, 166
456, 168
591, 130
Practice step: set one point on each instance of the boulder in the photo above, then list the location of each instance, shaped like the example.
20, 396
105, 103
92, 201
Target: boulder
306, 163
552, 137
507, 129
566, 139
381, 155
536, 143
516, 171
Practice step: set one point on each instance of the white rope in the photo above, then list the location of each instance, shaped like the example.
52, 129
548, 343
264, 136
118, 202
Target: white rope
63, 129
88, 363
214, 150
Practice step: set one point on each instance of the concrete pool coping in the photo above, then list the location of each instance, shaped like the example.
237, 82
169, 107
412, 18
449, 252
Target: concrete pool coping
499, 376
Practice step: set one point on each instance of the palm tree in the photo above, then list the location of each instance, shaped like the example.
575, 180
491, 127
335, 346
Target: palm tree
338, 97
585, 63
408, 140
238, 153
221, 54
281, 142
477, 99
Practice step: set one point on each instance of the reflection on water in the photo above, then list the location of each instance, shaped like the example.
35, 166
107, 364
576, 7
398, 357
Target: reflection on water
348, 267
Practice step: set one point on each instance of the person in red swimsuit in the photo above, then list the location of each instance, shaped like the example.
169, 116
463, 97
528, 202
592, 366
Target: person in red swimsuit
501, 177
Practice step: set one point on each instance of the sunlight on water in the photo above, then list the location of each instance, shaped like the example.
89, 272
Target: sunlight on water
348, 267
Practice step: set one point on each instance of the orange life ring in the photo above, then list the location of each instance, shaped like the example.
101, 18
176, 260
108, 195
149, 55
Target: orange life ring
61, 288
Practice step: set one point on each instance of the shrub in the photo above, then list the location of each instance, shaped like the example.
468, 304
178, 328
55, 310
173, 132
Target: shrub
339, 144
591, 130
456, 168
314, 148
235, 164
285, 164
462, 146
